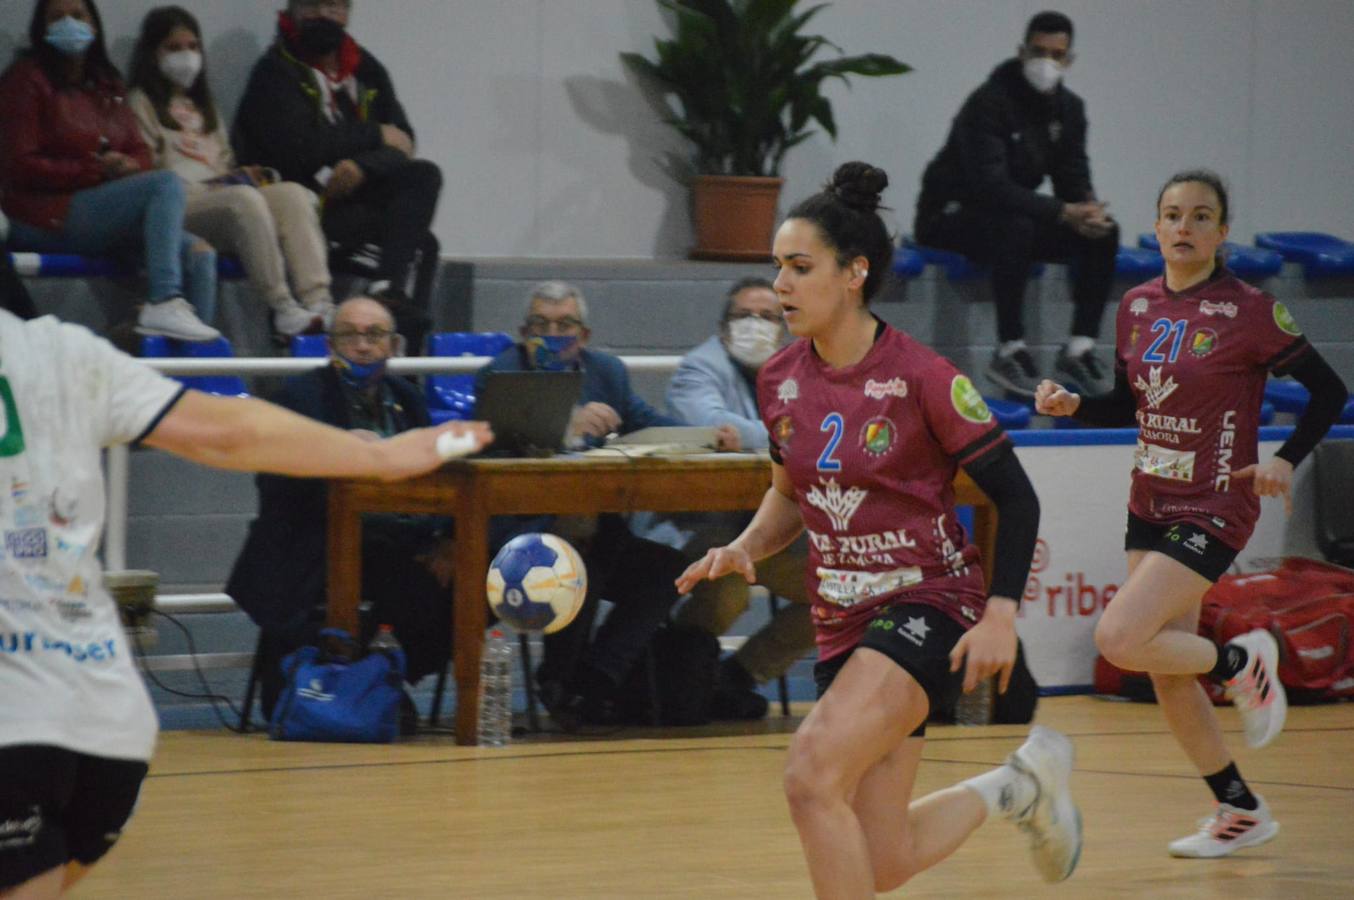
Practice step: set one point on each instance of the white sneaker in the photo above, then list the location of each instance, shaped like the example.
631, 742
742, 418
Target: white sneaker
1256, 691
1228, 830
293, 319
1052, 821
176, 319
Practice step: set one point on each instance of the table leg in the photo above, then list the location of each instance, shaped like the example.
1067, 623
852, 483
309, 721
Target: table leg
472, 562
344, 535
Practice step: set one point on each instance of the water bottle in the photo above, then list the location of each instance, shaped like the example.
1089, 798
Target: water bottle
496, 691
384, 639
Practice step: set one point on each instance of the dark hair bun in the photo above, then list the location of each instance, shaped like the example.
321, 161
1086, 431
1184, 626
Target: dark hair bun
858, 185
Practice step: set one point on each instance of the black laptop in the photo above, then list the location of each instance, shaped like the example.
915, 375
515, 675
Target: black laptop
529, 411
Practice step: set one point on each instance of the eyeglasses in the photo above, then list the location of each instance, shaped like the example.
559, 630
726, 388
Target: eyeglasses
542, 325
352, 338
774, 318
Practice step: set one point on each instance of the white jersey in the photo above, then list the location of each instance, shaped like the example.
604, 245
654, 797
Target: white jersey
67, 677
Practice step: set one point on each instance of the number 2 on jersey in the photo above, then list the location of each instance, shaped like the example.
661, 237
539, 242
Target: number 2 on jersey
1163, 329
831, 422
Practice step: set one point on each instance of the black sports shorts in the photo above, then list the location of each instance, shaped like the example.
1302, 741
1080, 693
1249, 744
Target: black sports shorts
1187, 544
918, 638
59, 806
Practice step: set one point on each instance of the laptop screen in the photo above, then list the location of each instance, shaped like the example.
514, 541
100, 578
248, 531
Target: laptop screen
529, 411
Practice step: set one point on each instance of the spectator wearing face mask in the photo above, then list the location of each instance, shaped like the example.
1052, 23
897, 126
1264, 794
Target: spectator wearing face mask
980, 197
75, 173
273, 226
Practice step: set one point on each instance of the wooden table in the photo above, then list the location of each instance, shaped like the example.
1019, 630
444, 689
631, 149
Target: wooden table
470, 491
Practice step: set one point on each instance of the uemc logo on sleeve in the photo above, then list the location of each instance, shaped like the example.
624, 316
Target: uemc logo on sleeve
27, 543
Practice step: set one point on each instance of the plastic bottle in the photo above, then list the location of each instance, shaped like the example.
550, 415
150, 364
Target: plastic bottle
384, 639
496, 691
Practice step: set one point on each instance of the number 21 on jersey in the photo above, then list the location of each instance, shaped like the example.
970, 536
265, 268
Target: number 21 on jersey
1165, 330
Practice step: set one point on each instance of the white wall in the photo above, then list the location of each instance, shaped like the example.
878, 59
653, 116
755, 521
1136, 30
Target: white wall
550, 149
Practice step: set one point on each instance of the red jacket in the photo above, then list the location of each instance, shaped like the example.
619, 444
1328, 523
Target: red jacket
50, 140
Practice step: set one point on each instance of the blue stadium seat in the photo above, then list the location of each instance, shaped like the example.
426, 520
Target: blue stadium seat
957, 266
1290, 397
1319, 254
454, 395
155, 346
1266, 412
1137, 263
70, 265
1012, 416
907, 262
1246, 262
309, 345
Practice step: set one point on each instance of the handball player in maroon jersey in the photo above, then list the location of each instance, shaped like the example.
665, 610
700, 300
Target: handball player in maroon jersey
1194, 348
868, 428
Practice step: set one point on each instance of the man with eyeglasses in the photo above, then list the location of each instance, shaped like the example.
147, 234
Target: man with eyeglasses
279, 576
322, 110
979, 197
579, 679
716, 384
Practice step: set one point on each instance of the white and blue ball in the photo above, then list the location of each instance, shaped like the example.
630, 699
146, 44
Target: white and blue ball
537, 582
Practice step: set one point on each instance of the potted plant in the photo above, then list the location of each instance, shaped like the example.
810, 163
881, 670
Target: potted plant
746, 90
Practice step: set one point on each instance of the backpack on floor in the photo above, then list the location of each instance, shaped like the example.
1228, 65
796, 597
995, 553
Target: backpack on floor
679, 674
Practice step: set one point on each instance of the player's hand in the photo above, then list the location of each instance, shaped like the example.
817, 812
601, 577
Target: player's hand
716, 563
1052, 399
346, 178
594, 420
1270, 479
989, 648
727, 439
415, 452
398, 138
1088, 219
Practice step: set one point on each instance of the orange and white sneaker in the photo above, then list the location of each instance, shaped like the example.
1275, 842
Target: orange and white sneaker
1228, 830
1256, 691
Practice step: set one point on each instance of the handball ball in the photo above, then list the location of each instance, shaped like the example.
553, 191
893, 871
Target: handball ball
537, 583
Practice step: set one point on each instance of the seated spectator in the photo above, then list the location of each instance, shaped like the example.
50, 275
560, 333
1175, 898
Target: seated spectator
322, 110
979, 197
75, 174
240, 210
578, 679
715, 384
279, 577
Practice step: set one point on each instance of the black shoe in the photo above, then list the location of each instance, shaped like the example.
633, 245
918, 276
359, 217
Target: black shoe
1015, 374
735, 697
1083, 373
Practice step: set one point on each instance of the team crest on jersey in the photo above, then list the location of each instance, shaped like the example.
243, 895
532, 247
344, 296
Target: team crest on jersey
877, 436
878, 390
840, 505
783, 429
788, 390
1155, 389
1284, 319
1209, 308
968, 402
1204, 342
1138, 306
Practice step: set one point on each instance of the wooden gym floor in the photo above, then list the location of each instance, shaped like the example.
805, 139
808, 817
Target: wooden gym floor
695, 813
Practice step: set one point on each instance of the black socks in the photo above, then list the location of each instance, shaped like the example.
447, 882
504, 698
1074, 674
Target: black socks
1229, 787
1231, 660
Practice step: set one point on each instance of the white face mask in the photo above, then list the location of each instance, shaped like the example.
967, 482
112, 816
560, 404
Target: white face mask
181, 67
1043, 74
752, 341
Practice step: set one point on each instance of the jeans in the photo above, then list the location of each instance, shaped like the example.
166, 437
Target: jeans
138, 213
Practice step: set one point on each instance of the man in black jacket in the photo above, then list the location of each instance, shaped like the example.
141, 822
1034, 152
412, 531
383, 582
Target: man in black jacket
979, 198
279, 577
322, 110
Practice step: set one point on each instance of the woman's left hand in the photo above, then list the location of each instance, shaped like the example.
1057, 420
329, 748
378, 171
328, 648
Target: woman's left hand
990, 646
1271, 479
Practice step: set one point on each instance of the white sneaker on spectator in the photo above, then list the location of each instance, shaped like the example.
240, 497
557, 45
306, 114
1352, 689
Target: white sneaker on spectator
293, 319
1256, 691
176, 319
325, 309
1228, 830
1052, 821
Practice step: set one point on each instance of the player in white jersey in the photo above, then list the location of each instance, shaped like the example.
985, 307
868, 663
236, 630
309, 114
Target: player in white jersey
77, 728
868, 428
1197, 480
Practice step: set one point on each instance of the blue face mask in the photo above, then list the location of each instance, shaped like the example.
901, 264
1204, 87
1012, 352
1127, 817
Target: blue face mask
551, 352
70, 36
359, 375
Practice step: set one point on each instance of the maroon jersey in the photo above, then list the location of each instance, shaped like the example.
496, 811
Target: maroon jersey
1197, 363
872, 450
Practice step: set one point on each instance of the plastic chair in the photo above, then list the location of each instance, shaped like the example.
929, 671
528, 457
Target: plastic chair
1320, 255
1012, 416
1290, 397
957, 266
154, 346
1245, 262
907, 262
453, 396
309, 345
68, 265
1138, 263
